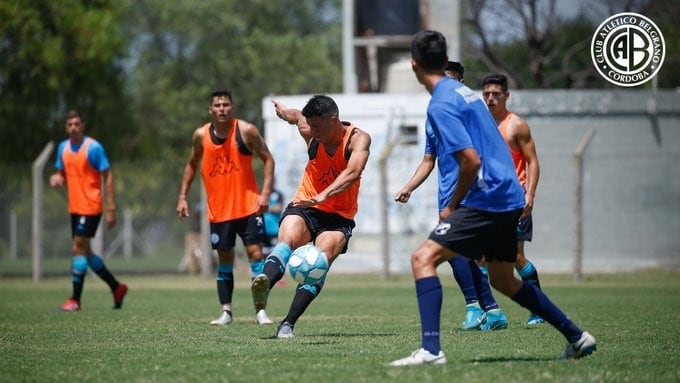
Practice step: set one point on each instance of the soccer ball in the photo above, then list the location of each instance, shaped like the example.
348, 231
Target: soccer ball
308, 265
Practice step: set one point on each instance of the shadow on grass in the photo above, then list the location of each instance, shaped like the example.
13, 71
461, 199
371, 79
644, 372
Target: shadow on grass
511, 359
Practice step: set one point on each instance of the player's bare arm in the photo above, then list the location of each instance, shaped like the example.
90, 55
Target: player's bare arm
469, 164
57, 179
422, 172
359, 148
256, 144
107, 175
520, 132
295, 117
190, 173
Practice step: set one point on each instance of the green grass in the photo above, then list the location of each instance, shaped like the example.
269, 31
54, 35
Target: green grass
356, 327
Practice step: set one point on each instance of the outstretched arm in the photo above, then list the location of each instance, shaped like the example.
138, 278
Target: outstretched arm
295, 117
422, 172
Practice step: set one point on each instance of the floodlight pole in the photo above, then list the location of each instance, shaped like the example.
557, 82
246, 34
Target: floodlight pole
38, 196
578, 203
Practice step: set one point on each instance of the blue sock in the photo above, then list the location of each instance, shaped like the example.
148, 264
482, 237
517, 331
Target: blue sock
463, 276
281, 251
256, 268
429, 293
482, 287
533, 299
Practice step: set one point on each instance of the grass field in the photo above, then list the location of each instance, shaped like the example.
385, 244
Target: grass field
356, 327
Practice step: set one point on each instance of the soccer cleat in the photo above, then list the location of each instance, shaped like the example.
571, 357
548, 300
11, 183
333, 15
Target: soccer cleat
535, 319
223, 320
582, 347
474, 316
260, 290
262, 318
70, 305
420, 356
119, 295
494, 320
285, 330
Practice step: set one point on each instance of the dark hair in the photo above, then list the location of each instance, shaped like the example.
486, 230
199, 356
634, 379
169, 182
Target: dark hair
320, 106
498, 79
73, 114
220, 93
455, 66
428, 49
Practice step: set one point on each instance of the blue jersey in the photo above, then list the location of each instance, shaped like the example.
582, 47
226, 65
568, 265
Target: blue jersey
457, 119
96, 156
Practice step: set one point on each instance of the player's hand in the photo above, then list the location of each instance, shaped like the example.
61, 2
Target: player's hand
57, 180
445, 213
280, 110
402, 195
262, 205
110, 218
317, 199
182, 209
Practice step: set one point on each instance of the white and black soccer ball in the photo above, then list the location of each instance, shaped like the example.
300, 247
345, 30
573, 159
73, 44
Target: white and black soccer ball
308, 265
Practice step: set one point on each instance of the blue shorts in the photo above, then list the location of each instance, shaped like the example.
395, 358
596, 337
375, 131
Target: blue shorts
84, 225
319, 221
476, 233
525, 228
250, 229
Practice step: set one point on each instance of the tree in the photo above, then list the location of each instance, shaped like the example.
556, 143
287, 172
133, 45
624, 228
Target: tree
537, 46
181, 51
54, 56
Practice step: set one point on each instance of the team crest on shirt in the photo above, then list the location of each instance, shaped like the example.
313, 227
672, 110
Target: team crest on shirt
442, 228
328, 177
223, 165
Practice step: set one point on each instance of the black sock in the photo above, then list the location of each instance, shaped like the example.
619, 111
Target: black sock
225, 287
304, 295
273, 269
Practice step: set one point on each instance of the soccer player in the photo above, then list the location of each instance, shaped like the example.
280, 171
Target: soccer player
517, 135
325, 203
455, 69
225, 148
82, 165
486, 202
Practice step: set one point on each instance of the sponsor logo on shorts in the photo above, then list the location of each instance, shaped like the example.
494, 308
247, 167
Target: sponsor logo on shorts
442, 228
628, 49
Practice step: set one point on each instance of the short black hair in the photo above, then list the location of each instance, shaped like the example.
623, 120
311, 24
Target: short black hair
455, 66
498, 79
320, 106
428, 49
220, 93
73, 114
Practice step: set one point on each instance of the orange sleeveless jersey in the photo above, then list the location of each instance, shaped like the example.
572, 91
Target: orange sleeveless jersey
82, 180
228, 177
321, 171
517, 156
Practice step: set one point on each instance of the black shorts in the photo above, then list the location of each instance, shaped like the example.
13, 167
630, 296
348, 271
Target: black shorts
525, 228
84, 225
319, 221
476, 233
250, 229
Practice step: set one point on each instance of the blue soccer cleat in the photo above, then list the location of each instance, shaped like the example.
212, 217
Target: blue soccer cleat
474, 316
494, 320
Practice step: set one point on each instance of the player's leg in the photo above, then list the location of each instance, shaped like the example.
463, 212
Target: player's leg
494, 318
424, 262
223, 239
500, 260
474, 315
333, 237
251, 231
82, 229
524, 267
